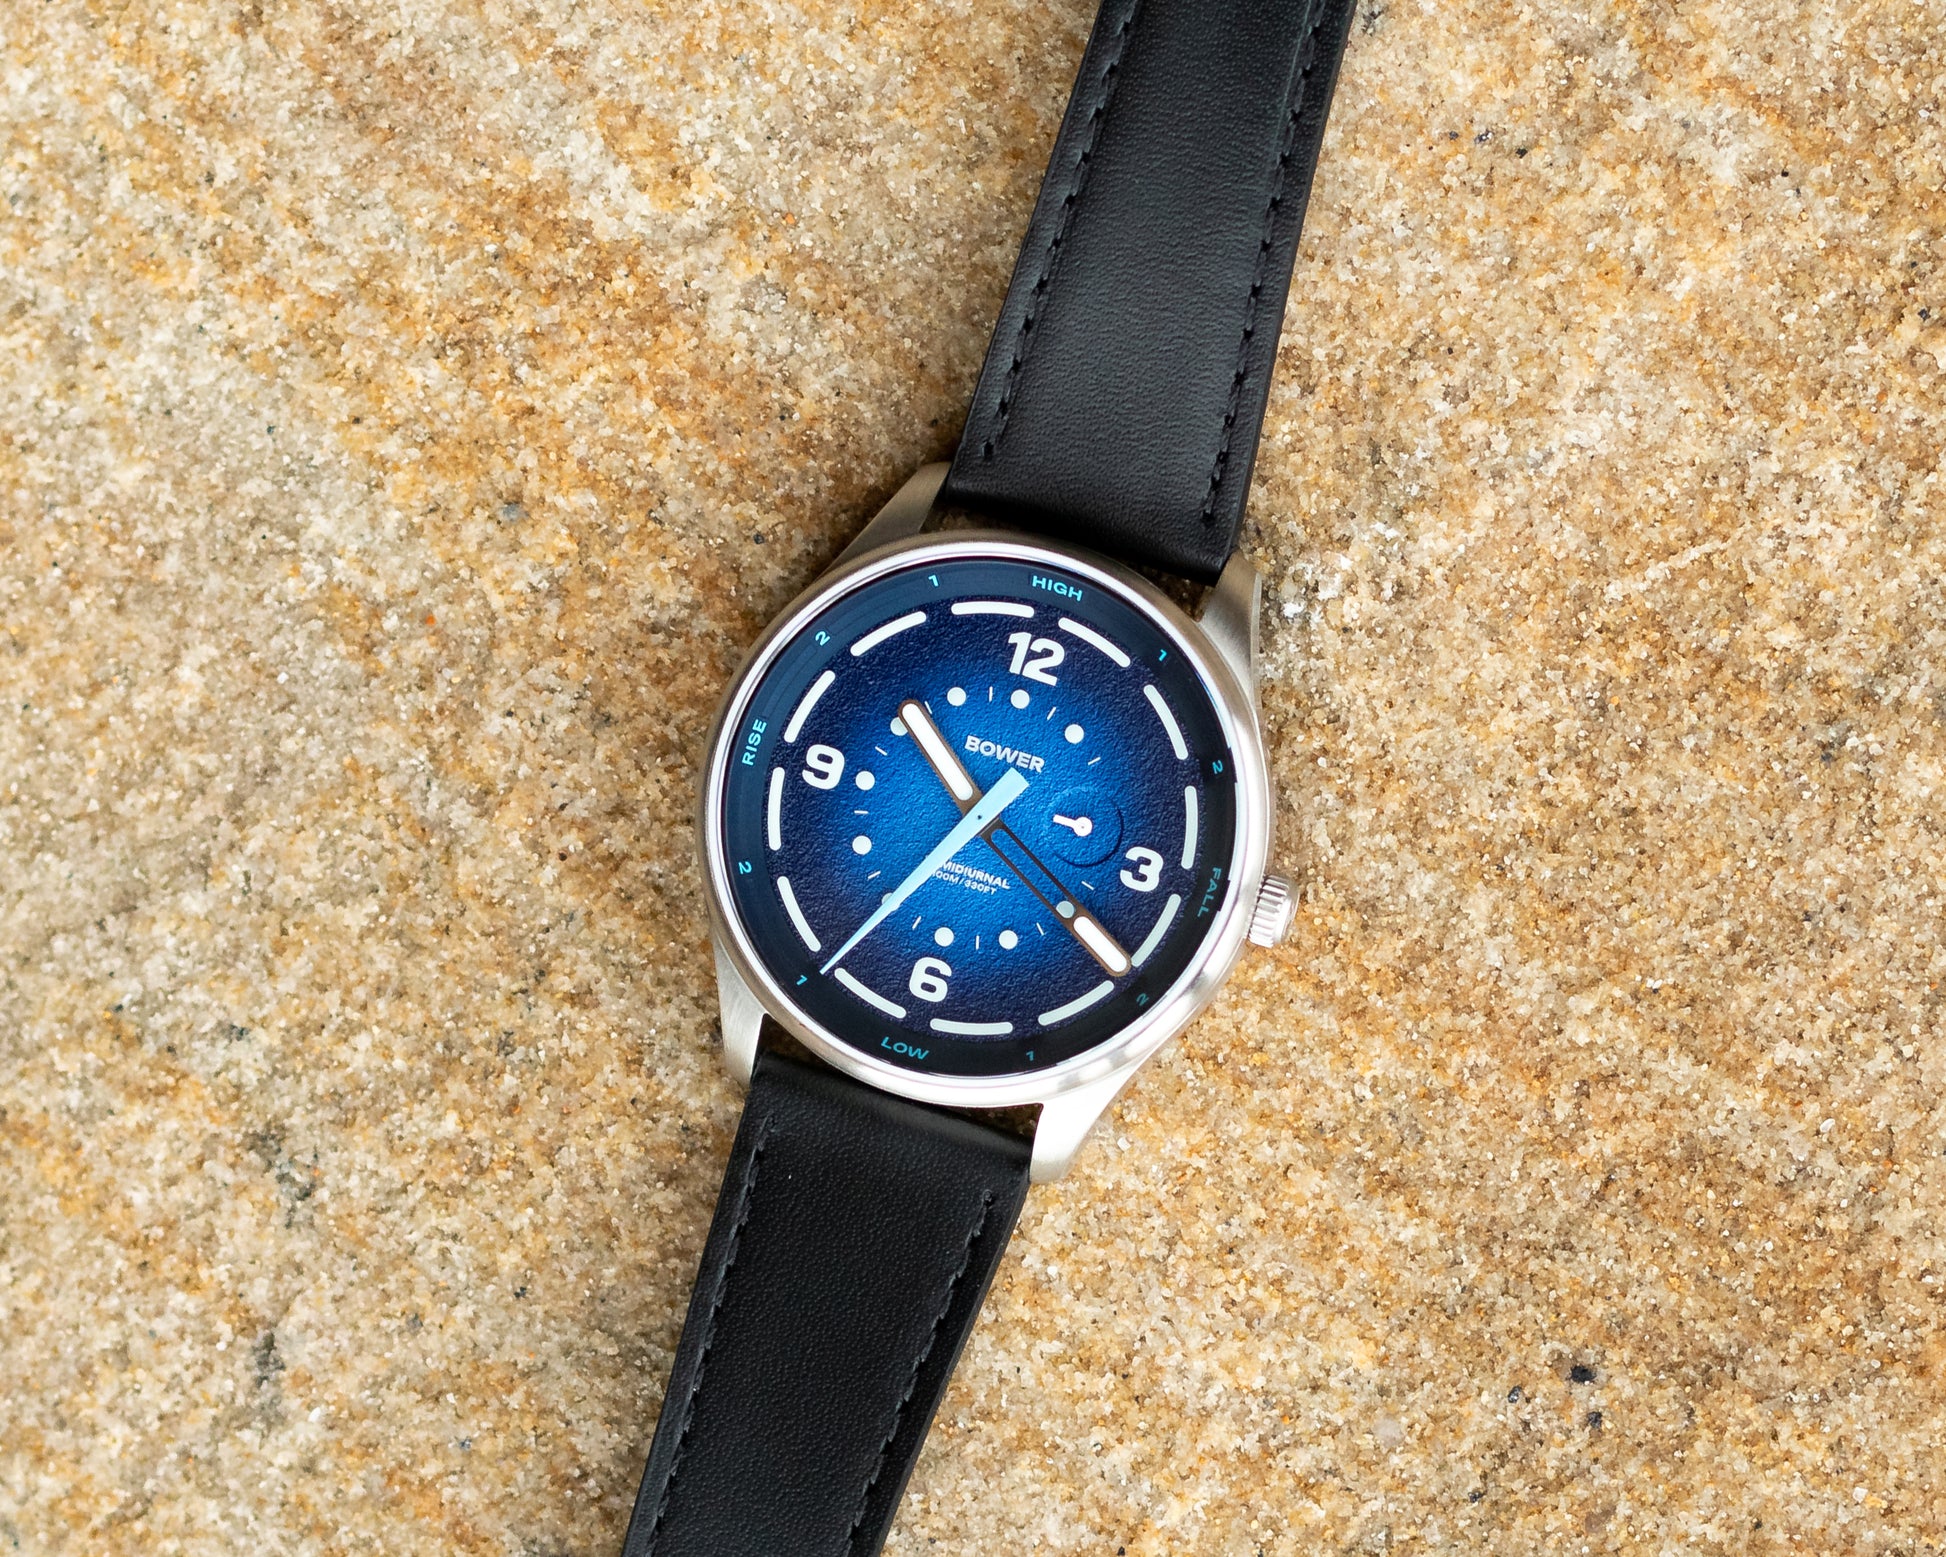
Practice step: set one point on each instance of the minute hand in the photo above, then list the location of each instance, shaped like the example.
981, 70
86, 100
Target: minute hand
977, 820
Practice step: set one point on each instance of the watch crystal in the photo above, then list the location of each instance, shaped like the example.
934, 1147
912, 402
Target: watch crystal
978, 815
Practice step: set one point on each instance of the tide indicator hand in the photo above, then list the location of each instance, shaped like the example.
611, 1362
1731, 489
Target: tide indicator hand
979, 816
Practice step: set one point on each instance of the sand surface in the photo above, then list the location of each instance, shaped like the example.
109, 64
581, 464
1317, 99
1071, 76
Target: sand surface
408, 414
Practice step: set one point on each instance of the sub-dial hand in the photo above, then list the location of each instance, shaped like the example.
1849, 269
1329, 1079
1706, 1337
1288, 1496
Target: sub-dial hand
1080, 826
1005, 842
979, 817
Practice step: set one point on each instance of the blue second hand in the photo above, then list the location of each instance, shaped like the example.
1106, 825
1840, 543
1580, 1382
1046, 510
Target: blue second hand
977, 819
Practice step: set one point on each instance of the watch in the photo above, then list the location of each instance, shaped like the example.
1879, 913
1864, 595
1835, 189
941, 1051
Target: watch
986, 816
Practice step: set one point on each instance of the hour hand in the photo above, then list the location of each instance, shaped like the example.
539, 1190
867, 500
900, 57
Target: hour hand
952, 772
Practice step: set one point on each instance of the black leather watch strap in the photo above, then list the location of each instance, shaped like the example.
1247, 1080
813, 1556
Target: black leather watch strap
854, 1239
1124, 391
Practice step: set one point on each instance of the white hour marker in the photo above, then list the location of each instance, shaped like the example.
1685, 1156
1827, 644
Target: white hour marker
1154, 938
1062, 1013
1020, 698
870, 996
972, 1029
1008, 940
942, 936
863, 778
861, 845
797, 914
1188, 825
1168, 722
891, 629
956, 696
991, 608
898, 727
777, 808
806, 703
1089, 635
1074, 733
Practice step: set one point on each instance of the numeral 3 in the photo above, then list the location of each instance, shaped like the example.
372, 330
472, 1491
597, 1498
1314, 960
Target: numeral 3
1146, 873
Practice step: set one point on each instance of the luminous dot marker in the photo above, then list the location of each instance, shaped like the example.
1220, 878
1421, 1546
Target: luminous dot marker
956, 695
898, 727
861, 845
863, 778
1020, 698
1008, 940
942, 936
1074, 732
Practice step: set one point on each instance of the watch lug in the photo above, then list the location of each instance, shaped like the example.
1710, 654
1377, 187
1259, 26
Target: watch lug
1065, 1122
1230, 616
742, 1018
904, 515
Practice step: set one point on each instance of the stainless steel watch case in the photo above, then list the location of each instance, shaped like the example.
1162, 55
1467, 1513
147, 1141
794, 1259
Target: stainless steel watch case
1221, 644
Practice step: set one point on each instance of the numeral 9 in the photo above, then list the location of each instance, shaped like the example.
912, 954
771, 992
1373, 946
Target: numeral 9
823, 767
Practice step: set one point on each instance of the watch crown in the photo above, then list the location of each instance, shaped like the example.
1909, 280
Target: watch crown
1271, 920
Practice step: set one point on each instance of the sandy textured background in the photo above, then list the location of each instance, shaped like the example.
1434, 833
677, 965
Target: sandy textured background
408, 412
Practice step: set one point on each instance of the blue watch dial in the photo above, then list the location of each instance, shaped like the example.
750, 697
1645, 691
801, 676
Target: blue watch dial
978, 816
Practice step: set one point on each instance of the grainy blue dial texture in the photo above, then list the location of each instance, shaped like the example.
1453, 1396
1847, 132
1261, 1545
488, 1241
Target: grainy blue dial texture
1078, 889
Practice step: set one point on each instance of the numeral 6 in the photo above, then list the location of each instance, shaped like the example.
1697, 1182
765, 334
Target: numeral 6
928, 981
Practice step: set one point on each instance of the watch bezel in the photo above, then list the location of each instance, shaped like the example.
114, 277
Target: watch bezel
1192, 989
